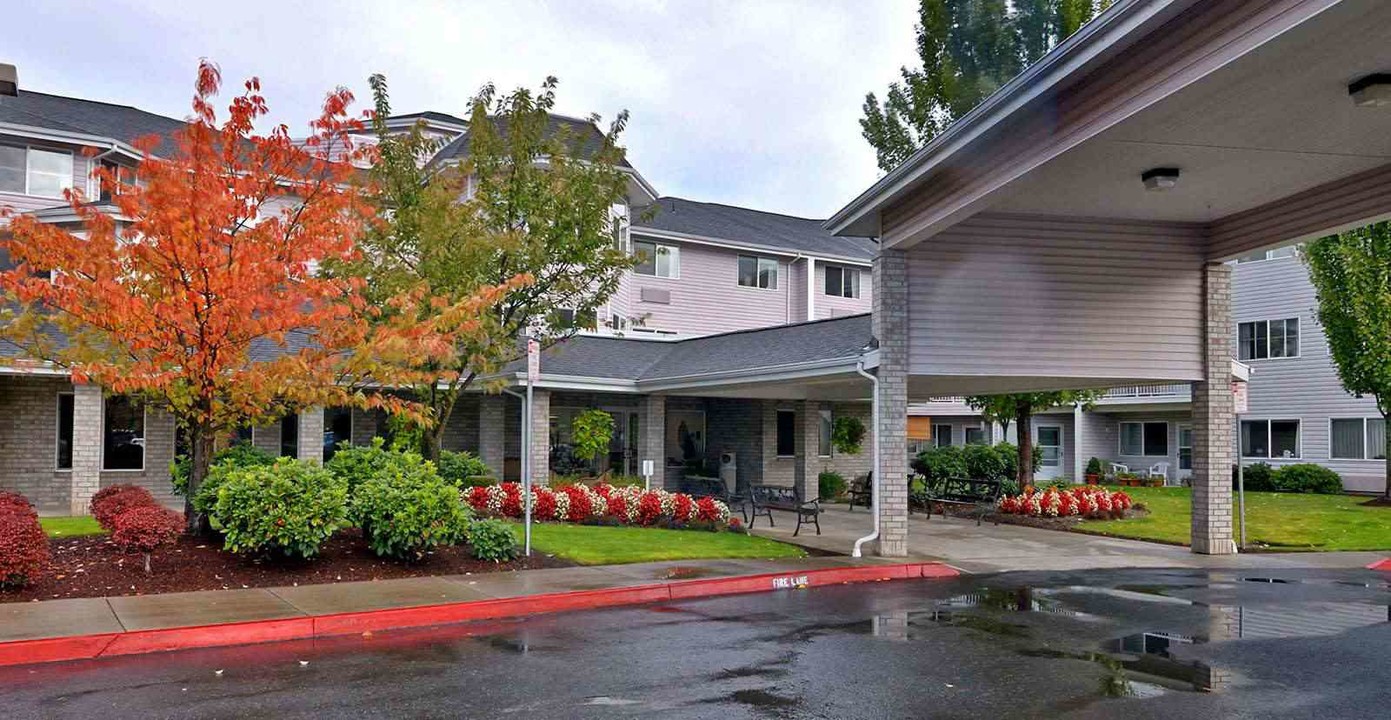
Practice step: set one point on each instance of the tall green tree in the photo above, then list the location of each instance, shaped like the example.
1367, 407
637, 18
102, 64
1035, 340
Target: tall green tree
528, 209
1351, 273
1020, 409
968, 49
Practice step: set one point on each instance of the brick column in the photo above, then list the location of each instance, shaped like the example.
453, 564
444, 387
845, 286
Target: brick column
652, 437
808, 448
891, 330
492, 428
1213, 416
88, 416
311, 435
541, 437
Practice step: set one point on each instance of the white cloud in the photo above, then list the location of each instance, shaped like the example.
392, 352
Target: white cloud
751, 102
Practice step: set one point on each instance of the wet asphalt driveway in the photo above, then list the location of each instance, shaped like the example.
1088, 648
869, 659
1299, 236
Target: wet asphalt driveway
1134, 644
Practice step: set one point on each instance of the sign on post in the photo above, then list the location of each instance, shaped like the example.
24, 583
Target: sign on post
1239, 396
533, 360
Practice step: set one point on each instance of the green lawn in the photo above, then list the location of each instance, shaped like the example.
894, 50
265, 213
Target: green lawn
70, 526
604, 545
1284, 521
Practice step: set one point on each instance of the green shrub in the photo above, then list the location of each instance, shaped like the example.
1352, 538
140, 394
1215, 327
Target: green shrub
1009, 455
457, 468
406, 509
627, 481
1258, 477
288, 509
830, 485
940, 463
1094, 466
847, 434
354, 464
238, 455
474, 481
987, 462
1307, 478
492, 540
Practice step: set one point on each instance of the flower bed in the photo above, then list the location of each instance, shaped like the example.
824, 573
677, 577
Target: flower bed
629, 505
1082, 501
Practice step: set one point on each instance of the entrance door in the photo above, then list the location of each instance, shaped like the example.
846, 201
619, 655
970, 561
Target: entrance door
623, 445
1050, 445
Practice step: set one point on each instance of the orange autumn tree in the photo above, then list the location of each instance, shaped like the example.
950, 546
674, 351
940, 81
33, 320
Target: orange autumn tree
199, 293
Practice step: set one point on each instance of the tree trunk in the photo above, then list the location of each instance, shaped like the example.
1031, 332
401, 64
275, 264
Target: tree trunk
430, 442
202, 441
147, 563
1386, 486
1023, 414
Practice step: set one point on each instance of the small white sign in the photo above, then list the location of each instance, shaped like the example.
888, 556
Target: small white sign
790, 581
533, 360
647, 468
1239, 396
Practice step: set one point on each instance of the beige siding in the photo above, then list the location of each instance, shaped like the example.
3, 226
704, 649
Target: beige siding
707, 297
1031, 297
831, 306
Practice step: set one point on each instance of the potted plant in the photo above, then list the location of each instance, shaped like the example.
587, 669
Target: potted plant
591, 432
1093, 474
1127, 479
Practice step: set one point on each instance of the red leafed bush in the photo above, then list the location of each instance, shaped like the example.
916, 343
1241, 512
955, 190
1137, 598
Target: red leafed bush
581, 507
649, 508
682, 507
146, 528
618, 506
542, 504
23, 547
707, 510
110, 502
14, 502
478, 498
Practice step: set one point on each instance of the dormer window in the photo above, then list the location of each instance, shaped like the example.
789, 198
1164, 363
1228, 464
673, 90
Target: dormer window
32, 171
842, 281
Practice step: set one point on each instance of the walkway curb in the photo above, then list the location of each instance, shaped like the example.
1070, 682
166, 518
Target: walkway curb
1381, 565
86, 647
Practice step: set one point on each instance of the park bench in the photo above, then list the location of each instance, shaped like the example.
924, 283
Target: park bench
861, 492
701, 486
767, 498
983, 494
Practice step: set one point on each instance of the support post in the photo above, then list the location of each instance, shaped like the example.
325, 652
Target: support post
809, 461
891, 331
1213, 417
311, 435
88, 416
652, 436
492, 429
540, 436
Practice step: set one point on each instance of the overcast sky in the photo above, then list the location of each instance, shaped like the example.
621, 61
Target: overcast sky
751, 102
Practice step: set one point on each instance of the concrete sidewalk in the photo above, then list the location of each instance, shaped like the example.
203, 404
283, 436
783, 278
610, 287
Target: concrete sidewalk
1004, 548
346, 603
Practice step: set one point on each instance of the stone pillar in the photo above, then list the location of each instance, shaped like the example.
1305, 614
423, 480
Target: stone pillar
891, 330
88, 416
492, 429
652, 438
311, 435
1213, 416
541, 437
809, 448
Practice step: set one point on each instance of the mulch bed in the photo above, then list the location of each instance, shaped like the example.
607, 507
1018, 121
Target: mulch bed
93, 567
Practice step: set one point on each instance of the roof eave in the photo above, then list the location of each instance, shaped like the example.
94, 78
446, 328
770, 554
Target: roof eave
661, 234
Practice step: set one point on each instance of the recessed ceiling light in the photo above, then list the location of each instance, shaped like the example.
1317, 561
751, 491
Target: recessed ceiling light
1371, 91
1159, 178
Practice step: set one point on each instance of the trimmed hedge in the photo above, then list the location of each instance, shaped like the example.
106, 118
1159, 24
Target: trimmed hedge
287, 509
462, 469
1308, 478
23, 544
406, 509
492, 540
14, 502
146, 528
830, 485
110, 502
242, 454
354, 464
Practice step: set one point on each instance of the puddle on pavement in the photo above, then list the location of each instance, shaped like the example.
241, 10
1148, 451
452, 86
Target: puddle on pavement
683, 572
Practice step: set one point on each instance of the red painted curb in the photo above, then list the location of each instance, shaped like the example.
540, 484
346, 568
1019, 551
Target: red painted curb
83, 647
1380, 565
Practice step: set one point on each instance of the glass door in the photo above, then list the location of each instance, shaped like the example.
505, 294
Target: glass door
1050, 445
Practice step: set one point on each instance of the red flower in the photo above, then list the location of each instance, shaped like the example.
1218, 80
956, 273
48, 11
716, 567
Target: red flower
543, 504
706, 510
478, 498
649, 508
682, 507
618, 507
580, 506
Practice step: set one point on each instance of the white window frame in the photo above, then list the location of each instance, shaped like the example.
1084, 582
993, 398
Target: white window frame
1366, 446
845, 274
759, 262
936, 438
673, 255
1120, 438
29, 169
1299, 330
1178, 456
144, 439
58, 427
1062, 449
1298, 444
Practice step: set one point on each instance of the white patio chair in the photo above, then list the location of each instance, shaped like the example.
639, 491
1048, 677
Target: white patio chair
1117, 468
1160, 470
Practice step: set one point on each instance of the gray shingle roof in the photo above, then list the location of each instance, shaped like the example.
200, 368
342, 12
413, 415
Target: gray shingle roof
431, 115
750, 227
647, 360
65, 114
584, 137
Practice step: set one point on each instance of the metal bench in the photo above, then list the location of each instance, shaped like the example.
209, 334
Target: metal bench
702, 486
767, 498
984, 494
861, 491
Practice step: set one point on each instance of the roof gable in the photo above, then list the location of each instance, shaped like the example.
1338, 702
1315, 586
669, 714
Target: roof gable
746, 226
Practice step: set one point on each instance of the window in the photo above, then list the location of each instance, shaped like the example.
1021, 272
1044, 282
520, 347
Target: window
566, 319
1185, 447
827, 423
619, 226
244, 436
941, 435
758, 272
1268, 339
64, 450
338, 428
1145, 439
1284, 252
1357, 439
123, 447
685, 437
975, 436
1270, 438
787, 433
656, 259
842, 281
35, 172
289, 436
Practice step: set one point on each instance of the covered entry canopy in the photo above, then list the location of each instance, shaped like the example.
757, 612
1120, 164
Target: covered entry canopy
1071, 231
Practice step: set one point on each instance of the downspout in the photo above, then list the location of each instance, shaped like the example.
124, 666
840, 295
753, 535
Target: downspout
874, 486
